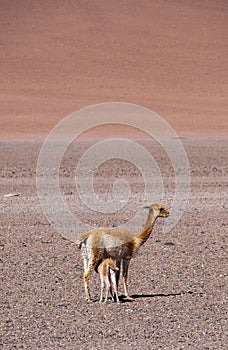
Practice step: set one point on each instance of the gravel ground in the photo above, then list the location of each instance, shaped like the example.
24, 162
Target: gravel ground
179, 279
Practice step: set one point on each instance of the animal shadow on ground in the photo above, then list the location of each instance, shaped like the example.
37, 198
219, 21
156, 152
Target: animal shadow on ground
123, 299
164, 295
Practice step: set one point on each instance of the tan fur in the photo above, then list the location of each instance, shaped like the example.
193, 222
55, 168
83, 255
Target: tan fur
120, 245
107, 270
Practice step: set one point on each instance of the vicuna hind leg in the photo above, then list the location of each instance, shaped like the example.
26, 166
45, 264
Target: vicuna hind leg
91, 265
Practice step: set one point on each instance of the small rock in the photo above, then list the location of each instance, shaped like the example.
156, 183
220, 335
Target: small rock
11, 195
169, 243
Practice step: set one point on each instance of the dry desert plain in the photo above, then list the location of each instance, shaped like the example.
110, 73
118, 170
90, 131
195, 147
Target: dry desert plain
58, 57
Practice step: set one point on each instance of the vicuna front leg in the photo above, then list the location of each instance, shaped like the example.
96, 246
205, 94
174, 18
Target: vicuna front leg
126, 263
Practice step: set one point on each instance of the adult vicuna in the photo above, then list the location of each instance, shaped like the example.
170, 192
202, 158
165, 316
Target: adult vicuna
120, 245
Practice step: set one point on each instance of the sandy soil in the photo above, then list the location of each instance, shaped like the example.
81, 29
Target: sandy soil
55, 59
179, 279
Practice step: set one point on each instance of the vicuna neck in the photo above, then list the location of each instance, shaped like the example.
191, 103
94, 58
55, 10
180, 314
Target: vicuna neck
143, 235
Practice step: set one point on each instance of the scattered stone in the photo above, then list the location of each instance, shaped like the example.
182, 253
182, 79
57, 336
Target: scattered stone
11, 195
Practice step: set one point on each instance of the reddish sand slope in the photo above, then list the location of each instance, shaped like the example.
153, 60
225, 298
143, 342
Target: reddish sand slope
168, 56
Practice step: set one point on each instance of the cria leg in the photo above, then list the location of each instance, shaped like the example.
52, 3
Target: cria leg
102, 287
118, 263
117, 277
107, 288
113, 279
125, 274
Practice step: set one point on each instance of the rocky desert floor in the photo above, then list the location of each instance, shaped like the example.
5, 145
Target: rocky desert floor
178, 279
